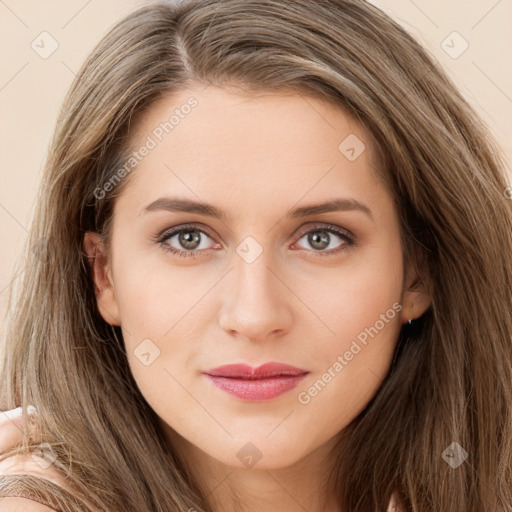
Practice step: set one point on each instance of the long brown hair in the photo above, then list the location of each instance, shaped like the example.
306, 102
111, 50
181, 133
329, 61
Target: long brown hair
451, 377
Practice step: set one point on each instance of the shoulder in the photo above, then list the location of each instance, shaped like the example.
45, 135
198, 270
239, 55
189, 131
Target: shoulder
20, 496
32, 485
31, 464
393, 505
12, 504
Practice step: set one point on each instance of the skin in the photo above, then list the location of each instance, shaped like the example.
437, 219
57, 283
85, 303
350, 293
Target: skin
255, 157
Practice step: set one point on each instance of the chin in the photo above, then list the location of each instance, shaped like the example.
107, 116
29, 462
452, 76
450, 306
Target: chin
259, 455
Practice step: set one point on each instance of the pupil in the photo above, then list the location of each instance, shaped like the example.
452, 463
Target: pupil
319, 237
189, 238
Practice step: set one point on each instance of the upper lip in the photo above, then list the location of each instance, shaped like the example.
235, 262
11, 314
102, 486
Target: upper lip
247, 372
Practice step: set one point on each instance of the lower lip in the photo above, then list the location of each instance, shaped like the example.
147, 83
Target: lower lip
257, 389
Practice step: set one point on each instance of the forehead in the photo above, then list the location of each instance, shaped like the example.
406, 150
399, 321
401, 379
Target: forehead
213, 143
205, 118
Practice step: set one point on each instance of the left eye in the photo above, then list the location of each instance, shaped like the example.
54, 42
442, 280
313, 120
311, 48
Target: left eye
321, 238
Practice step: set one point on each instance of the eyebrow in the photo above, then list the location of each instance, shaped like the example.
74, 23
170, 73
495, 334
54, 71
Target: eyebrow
173, 204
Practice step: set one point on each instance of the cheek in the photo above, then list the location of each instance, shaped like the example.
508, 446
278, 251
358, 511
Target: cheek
361, 292
154, 294
350, 370
160, 307
360, 305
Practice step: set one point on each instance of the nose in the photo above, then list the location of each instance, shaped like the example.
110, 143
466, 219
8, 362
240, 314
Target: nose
257, 303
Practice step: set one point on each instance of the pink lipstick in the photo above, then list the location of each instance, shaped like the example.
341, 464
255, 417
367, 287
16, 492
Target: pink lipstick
266, 382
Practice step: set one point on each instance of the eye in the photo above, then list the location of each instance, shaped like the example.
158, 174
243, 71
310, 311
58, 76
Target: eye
188, 239
321, 238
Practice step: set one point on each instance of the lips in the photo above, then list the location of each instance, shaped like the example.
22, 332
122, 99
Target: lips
266, 382
247, 372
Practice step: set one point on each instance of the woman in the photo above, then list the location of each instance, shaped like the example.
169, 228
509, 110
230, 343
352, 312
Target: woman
273, 273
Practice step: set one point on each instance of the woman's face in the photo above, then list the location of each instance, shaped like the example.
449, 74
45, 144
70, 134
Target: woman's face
265, 279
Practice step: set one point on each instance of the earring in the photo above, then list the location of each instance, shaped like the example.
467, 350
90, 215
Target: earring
411, 319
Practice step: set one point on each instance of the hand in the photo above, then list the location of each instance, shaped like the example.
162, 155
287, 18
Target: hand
11, 422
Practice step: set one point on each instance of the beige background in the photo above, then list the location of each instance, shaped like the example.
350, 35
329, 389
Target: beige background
32, 87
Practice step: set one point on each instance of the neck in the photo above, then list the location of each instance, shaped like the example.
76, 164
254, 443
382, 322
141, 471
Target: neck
300, 486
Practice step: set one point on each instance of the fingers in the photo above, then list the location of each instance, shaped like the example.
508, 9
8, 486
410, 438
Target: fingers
11, 432
10, 429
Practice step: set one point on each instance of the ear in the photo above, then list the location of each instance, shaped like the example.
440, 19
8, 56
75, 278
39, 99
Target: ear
417, 293
102, 279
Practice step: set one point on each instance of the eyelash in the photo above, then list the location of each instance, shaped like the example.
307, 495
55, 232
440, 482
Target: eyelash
349, 241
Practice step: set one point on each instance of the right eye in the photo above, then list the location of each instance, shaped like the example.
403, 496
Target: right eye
187, 238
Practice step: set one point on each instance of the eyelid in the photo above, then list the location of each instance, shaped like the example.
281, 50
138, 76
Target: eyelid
345, 234
201, 227
167, 232
323, 225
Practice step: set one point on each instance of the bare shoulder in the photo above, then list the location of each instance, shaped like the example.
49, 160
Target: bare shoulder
10, 436
31, 464
25, 464
393, 505
12, 504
